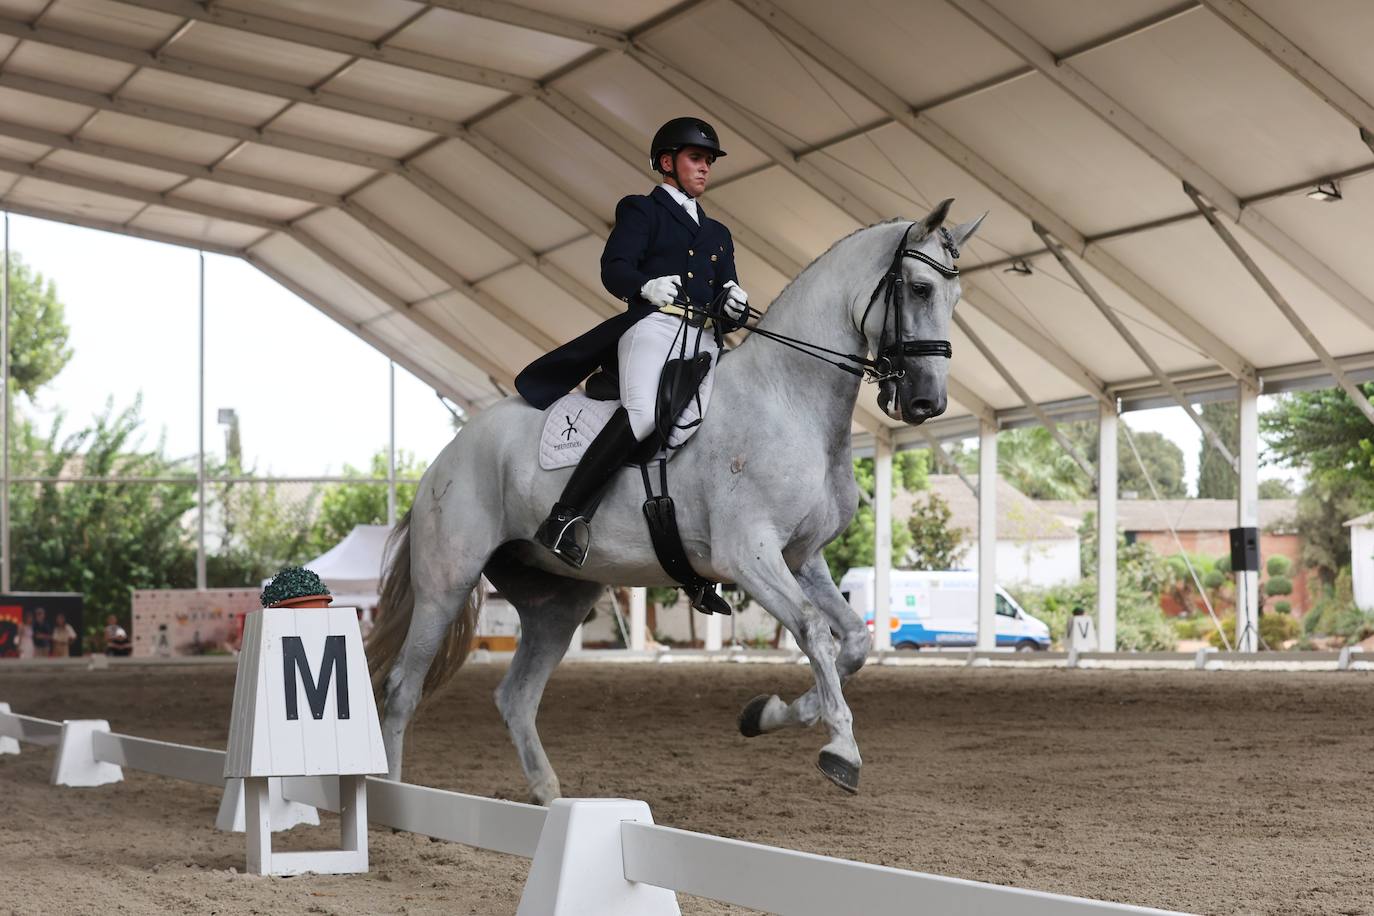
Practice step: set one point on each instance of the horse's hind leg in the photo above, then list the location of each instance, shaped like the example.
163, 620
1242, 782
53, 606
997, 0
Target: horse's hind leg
551, 608
770, 713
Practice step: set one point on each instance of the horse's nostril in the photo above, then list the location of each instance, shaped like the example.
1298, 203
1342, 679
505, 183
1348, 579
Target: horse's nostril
923, 407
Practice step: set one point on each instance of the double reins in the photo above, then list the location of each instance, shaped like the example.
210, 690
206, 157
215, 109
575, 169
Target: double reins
887, 364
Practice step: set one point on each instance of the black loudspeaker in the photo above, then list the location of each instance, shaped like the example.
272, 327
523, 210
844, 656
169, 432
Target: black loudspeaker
1244, 549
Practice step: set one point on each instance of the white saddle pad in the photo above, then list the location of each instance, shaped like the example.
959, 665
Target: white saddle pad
573, 422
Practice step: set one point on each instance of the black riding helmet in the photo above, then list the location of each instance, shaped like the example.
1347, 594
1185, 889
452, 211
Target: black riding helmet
680, 132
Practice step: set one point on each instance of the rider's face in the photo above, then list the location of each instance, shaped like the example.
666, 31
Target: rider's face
693, 169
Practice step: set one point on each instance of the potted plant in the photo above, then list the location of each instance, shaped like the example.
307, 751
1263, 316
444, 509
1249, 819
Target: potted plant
294, 586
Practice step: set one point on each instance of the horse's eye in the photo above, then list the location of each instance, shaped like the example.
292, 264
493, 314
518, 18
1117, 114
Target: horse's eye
921, 289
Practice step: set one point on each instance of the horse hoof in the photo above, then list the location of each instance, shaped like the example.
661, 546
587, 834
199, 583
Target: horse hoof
751, 716
839, 771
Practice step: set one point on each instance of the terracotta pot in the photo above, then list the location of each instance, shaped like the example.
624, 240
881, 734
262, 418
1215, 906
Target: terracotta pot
304, 601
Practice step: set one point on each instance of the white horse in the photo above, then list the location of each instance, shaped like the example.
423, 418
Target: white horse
763, 486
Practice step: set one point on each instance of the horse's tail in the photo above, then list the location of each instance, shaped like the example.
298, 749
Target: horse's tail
395, 609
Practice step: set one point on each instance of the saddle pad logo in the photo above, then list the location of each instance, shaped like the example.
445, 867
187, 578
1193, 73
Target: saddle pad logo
572, 426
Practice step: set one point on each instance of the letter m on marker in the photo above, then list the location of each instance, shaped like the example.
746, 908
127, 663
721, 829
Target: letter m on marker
333, 665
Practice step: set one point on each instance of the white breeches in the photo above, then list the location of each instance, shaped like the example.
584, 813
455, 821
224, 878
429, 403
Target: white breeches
643, 350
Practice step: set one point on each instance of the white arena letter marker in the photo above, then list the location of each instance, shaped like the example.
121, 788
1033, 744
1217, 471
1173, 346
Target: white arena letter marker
303, 706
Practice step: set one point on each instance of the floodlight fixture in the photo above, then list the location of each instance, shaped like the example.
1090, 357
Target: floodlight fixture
1326, 191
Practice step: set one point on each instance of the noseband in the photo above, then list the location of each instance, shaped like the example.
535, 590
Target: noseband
888, 364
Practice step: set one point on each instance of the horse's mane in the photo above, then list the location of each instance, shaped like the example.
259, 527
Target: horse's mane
836, 244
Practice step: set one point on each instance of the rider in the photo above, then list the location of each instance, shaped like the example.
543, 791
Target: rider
663, 251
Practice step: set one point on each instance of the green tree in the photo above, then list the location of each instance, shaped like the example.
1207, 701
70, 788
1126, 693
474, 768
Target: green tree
347, 505
934, 544
106, 539
856, 544
1322, 432
1325, 434
1032, 461
263, 528
1216, 478
38, 329
1275, 488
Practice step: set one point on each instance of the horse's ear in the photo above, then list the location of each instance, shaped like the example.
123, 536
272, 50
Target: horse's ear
964, 231
934, 219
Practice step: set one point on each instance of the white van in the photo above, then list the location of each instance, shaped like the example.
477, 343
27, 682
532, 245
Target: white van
941, 609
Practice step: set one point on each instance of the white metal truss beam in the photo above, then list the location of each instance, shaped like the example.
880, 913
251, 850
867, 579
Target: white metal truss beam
162, 163
225, 76
1044, 347
406, 311
992, 21
975, 404
118, 189
758, 136
979, 168
549, 24
1045, 419
441, 269
1343, 380
91, 222
340, 44
167, 238
1276, 46
362, 331
938, 447
276, 139
1141, 352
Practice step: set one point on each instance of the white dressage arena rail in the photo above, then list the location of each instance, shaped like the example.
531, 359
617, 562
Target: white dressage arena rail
606, 854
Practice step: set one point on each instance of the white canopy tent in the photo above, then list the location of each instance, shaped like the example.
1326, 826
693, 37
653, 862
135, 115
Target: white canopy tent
438, 176
352, 568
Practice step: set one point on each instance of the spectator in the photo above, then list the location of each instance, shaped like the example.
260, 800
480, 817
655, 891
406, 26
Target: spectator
26, 636
62, 636
116, 638
42, 634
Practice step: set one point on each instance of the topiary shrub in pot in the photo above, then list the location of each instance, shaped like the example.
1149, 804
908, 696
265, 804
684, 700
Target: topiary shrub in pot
295, 586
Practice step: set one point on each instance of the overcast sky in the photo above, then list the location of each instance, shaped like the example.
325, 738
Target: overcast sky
310, 396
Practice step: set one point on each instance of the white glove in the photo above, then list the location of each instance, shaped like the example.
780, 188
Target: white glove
661, 291
736, 301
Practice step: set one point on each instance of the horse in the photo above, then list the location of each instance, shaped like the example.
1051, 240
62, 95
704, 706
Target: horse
764, 484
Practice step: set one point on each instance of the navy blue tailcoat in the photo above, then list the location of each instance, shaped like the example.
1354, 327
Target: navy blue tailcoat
653, 237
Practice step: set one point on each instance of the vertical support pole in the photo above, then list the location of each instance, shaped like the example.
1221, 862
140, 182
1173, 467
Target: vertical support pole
199, 453
5, 422
639, 613
353, 818
987, 536
882, 543
257, 825
713, 633
1247, 583
391, 449
1106, 527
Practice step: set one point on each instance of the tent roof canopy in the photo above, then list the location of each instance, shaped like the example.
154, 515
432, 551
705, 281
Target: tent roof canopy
438, 176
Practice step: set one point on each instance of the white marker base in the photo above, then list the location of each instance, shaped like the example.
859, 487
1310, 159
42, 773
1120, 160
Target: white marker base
283, 814
350, 859
578, 866
76, 764
8, 745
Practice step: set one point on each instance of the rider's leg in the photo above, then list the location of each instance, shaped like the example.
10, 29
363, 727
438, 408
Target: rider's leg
642, 351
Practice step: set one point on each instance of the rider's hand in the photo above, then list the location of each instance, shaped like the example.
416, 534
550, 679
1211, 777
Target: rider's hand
736, 300
661, 291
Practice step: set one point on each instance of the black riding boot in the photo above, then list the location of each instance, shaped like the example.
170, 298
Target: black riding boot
567, 530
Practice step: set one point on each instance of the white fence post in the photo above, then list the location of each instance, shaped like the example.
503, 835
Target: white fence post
8, 745
76, 764
579, 865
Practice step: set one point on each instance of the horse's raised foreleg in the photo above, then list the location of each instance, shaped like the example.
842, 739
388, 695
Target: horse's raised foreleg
551, 608
770, 713
774, 586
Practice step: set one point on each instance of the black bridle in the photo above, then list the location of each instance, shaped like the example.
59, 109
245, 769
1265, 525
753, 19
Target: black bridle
887, 366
